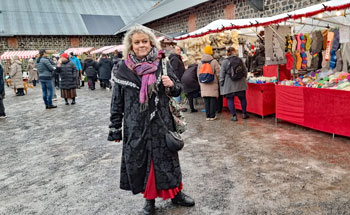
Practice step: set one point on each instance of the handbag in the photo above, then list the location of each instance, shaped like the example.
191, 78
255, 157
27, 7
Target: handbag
173, 139
175, 108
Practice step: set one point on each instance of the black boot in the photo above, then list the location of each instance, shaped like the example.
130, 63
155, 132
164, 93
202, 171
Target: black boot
66, 101
183, 200
234, 118
245, 116
20, 92
149, 207
34, 83
73, 101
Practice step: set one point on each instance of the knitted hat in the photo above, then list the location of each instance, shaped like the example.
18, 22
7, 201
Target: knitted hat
308, 41
65, 55
208, 50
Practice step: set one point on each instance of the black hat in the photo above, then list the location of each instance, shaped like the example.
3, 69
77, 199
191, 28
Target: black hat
42, 51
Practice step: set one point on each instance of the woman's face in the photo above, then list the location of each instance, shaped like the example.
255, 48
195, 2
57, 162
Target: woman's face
141, 45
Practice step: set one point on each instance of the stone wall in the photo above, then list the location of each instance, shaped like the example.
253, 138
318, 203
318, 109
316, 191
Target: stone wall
58, 43
203, 14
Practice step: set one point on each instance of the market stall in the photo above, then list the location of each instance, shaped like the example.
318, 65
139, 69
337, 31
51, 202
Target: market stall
118, 48
306, 50
21, 54
79, 51
100, 50
320, 109
260, 99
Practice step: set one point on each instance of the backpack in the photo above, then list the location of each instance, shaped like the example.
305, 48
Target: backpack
206, 74
236, 68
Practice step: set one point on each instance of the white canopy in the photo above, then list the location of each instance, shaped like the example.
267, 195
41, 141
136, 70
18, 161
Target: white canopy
20, 54
328, 14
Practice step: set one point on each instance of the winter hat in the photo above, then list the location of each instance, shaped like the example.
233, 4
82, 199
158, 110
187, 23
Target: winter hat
324, 34
339, 65
290, 61
308, 41
65, 55
330, 38
208, 50
303, 41
335, 45
294, 44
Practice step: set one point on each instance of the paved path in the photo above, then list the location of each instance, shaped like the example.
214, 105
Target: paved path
59, 162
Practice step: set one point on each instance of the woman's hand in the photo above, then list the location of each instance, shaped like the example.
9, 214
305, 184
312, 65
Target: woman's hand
167, 82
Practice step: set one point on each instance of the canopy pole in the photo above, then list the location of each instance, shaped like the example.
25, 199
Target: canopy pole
331, 22
283, 39
257, 34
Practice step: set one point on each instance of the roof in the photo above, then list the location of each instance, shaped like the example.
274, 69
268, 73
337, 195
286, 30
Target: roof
163, 9
309, 21
68, 17
20, 54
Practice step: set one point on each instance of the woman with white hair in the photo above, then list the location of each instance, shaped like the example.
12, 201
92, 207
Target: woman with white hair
141, 103
17, 76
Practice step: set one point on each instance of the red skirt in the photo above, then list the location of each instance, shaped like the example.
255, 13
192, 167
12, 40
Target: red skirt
151, 191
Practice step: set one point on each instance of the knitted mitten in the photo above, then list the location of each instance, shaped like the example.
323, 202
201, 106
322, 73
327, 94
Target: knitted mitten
339, 65
303, 60
299, 60
308, 41
298, 41
333, 60
290, 61
330, 37
294, 44
309, 59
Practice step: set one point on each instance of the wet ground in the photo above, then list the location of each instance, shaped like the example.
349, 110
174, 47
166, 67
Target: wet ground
59, 162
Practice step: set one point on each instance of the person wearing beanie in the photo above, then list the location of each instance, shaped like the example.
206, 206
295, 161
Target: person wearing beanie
45, 70
210, 91
67, 71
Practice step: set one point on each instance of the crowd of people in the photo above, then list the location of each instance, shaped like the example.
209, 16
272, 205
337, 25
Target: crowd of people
140, 111
65, 72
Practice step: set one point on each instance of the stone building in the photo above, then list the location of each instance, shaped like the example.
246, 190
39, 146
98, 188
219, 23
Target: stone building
180, 16
61, 24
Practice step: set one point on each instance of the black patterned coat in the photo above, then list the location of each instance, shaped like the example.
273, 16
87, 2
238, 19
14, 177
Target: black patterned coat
143, 131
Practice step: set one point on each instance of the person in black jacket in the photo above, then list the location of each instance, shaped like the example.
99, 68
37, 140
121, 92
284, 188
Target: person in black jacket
68, 78
190, 85
2, 93
90, 70
104, 71
177, 65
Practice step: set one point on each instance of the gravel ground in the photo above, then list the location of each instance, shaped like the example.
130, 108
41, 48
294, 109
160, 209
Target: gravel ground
59, 162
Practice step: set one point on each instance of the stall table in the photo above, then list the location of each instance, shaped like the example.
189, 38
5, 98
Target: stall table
260, 99
325, 110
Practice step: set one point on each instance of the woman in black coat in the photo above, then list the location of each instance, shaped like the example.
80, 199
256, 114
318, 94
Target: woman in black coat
68, 78
140, 104
105, 66
90, 70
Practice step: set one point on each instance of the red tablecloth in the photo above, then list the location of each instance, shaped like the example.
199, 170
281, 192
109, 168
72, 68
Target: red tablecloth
260, 99
320, 109
271, 71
